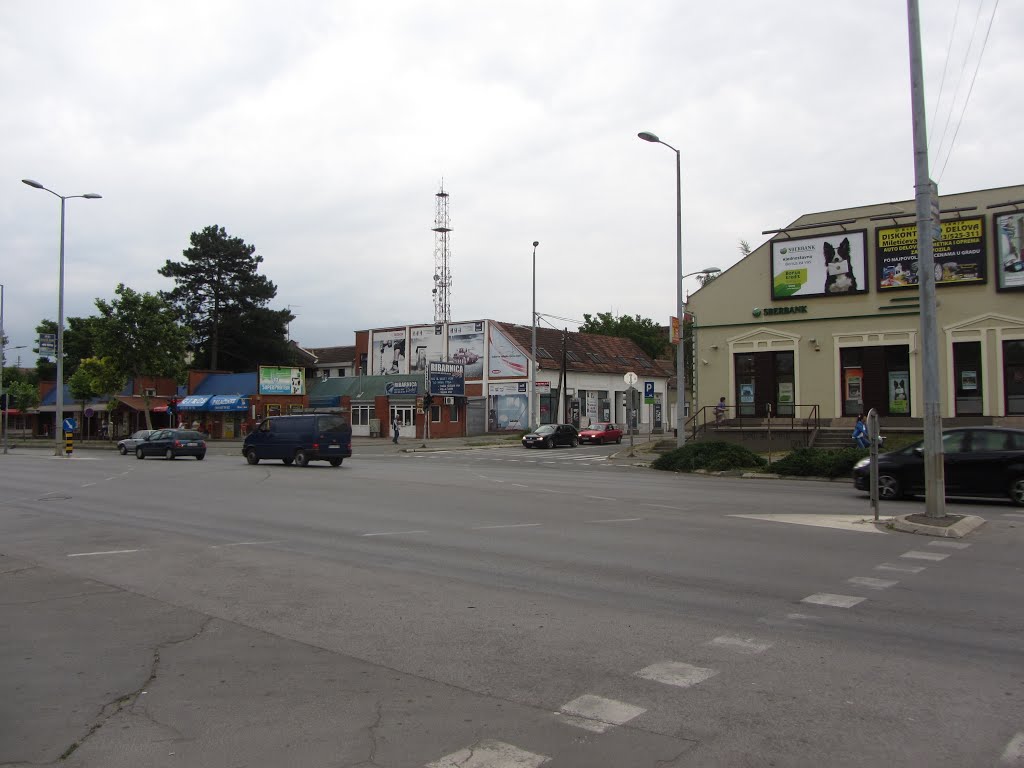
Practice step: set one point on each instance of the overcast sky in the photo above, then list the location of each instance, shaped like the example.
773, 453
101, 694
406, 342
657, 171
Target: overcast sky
319, 132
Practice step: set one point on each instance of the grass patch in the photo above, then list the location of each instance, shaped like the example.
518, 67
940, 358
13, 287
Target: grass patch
710, 456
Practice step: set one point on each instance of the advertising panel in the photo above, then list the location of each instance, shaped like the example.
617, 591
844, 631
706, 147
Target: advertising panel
1009, 251
466, 346
899, 385
504, 357
387, 353
827, 265
447, 379
507, 407
426, 344
282, 381
959, 254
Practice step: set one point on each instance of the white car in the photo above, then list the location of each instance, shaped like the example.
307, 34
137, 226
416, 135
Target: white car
129, 444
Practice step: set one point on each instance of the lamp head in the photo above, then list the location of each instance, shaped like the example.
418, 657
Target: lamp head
92, 196
33, 183
536, 243
647, 136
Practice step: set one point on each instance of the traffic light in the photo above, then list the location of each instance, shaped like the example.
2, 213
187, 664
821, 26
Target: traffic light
428, 400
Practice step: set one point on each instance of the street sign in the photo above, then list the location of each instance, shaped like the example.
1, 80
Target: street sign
70, 425
630, 379
648, 393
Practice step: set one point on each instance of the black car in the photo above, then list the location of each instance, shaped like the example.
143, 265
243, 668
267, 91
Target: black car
172, 443
979, 461
300, 439
550, 435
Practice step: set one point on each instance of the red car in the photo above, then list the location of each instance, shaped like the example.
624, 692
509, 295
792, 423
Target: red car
601, 433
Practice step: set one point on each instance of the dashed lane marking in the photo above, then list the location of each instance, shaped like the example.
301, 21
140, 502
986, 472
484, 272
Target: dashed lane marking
597, 714
510, 525
867, 581
898, 568
948, 544
490, 754
244, 543
109, 552
617, 520
740, 644
392, 533
833, 601
1017, 515
676, 673
916, 554
601, 498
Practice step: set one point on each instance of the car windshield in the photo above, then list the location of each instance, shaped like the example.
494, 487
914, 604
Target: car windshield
140, 434
547, 429
189, 435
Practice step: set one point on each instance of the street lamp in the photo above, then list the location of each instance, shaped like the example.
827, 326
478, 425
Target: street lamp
58, 449
533, 362
680, 380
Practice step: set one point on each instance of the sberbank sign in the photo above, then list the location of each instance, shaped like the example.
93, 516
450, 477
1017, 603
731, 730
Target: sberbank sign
800, 309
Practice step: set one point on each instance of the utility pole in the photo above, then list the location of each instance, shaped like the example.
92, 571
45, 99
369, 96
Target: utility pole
926, 198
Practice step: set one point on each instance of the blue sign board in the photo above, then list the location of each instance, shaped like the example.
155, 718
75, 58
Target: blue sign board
402, 387
70, 425
648, 392
447, 379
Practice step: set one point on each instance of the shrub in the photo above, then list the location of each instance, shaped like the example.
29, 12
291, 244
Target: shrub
712, 456
816, 462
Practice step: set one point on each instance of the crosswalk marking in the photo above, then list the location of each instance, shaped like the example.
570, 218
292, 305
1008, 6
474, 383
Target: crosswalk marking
740, 644
916, 554
899, 568
490, 754
835, 601
948, 544
597, 714
676, 673
867, 581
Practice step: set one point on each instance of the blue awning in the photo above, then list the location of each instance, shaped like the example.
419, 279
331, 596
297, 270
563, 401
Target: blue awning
228, 403
193, 403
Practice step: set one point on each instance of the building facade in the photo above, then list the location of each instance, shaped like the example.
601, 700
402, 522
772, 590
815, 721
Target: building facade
824, 318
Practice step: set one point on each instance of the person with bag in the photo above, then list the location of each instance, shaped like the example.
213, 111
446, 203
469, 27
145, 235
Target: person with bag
860, 432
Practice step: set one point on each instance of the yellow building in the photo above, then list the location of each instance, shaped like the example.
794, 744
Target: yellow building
823, 319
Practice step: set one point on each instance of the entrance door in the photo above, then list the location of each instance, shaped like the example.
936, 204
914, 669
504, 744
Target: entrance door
765, 384
1013, 367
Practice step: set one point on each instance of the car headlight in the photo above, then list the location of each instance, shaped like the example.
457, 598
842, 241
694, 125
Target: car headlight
862, 463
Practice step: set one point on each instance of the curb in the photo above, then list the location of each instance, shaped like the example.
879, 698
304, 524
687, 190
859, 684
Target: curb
956, 531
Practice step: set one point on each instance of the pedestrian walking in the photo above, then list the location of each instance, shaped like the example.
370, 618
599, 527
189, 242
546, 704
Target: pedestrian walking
720, 410
395, 425
860, 432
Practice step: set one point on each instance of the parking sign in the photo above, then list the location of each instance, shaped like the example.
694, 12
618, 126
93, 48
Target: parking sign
649, 392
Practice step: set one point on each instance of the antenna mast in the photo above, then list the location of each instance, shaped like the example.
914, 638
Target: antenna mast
442, 260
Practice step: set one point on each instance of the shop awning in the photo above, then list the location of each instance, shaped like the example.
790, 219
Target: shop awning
228, 403
193, 403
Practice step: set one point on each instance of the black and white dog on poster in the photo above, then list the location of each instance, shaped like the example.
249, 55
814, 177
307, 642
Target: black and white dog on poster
839, 276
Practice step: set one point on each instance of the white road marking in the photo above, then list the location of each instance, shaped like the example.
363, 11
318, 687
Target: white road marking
597, 714
948, 544
89, 485
676, 673
835, 601
740, 644
661, 506
899, 568
844, 522
519, 485
600, 498
617, 520
490, 754
867, 581
392, 533
1013, 755
916, 554
107, 479
801, 617
1013, 514
244, 543
514, 525
110, 552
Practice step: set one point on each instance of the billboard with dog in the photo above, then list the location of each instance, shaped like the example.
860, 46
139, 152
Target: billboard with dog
1009, 229
826, 265
959, 254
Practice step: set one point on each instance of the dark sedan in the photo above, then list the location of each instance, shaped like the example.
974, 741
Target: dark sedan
129, 443
172, 443
979, 461
550, 435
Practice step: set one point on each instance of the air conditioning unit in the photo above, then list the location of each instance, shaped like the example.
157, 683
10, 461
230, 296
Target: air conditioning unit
449, 401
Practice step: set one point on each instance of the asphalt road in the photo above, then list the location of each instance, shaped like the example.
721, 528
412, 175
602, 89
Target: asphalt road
491, 608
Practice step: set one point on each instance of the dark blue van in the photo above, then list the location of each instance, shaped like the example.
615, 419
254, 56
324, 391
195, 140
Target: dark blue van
300, 439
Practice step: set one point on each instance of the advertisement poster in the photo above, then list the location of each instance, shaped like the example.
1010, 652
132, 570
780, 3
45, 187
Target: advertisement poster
1009, 256
387, 353
785, 393
746, 393
426, 345
466, 346
899, 389
592, 406
968, 380
959, 254
504, 357
282, 381
830, 265
507, 407
447, 379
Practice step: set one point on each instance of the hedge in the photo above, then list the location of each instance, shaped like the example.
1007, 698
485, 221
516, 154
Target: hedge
711, 456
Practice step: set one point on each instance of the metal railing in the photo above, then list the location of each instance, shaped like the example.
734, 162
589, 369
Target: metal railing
800, 418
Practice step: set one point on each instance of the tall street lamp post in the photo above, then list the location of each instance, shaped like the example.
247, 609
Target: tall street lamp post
58, 449
533, 349
680, 380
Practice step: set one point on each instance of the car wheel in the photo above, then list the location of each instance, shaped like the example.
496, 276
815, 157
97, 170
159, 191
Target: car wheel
251, 456
301, 458
618, 441
200, 456
139, 454
288, 462
549, 443
335, 462
122, 450
168, 454
575, 442
1017, 491
889, 488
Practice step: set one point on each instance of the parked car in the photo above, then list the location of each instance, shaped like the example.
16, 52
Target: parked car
979, 461
172, 443
300, 439
550, 435
601, 433
128, 444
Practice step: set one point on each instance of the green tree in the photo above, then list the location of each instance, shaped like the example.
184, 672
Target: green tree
82, 387
79, 343
140, 337
217, 294
24, 396
649, 336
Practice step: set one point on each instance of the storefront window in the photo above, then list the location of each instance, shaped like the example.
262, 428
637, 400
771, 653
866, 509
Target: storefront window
967, 377
1013, 367
745, 384
875, 377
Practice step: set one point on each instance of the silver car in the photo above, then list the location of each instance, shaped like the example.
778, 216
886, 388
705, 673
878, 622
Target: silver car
129, 444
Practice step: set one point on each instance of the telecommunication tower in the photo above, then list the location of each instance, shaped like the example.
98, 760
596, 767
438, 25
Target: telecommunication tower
442, 260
